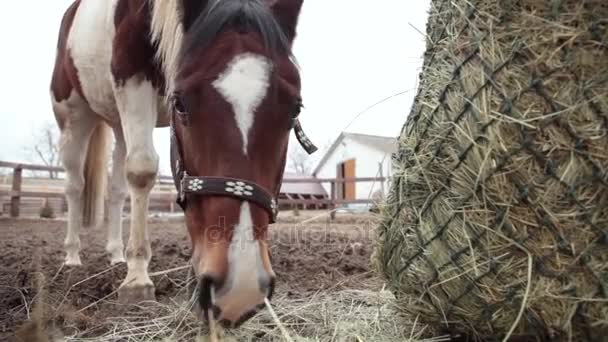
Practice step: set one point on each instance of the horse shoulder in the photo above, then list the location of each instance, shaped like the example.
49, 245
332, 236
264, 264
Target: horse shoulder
134, 54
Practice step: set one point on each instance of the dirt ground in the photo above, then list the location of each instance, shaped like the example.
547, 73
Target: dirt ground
307, 259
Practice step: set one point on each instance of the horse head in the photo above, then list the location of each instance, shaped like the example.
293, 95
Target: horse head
234, 98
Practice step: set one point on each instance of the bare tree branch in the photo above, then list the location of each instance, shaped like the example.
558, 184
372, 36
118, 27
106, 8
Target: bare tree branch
45, 148
41, 155
299, 161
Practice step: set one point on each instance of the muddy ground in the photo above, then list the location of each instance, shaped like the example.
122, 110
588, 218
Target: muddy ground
307, 258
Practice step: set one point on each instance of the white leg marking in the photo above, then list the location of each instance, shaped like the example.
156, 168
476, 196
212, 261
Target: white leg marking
137, 103
244, 85
117, 193
79, 125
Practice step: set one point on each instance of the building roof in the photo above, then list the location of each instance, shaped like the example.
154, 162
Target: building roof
380, 143
302, 188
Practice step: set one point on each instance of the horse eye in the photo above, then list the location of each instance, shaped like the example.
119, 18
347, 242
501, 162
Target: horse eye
297, 108
178, 105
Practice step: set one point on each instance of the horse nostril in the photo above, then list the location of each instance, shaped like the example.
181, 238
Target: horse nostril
226, 324
271, 288
207, 286
266, 283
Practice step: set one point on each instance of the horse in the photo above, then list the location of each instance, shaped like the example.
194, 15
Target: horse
222, 75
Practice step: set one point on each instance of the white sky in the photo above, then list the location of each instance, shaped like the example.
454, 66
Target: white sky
352, 54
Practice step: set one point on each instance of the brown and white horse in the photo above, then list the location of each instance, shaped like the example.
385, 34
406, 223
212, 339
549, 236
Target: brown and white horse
234, 95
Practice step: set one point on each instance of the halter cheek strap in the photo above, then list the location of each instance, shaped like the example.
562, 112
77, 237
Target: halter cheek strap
224, 186
306, 144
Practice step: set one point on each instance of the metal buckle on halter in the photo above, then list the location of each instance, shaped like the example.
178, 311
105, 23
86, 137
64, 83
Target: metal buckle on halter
182, 187
275, 209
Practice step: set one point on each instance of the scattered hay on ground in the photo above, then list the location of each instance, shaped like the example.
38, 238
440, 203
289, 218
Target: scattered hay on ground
326, 289
329, 315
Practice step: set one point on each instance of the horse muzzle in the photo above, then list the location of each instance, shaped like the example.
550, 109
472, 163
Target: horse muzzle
231, 303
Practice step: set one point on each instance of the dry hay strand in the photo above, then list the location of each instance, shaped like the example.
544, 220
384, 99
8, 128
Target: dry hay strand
497, 223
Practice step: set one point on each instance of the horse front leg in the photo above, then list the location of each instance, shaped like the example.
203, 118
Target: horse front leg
117, 192
137, 101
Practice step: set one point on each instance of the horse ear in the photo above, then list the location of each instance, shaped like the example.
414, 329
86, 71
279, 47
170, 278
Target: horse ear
191, 10
287, 13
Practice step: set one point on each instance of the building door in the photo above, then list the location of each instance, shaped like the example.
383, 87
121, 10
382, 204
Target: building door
346, 190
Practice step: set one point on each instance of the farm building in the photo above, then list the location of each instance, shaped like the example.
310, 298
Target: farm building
355, 155
302, 191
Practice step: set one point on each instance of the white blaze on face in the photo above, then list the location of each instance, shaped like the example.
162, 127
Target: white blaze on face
244, 85
244, 249
245, 269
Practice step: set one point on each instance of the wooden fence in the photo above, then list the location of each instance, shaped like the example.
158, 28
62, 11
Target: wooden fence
164, 200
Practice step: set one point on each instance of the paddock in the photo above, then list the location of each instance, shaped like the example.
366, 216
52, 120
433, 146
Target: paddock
326, 288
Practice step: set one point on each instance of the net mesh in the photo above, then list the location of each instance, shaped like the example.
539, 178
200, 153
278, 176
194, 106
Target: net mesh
499, 205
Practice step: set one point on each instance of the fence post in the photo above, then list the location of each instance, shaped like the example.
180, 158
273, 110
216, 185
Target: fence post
64, 204
332, 206
16, 191
381, 171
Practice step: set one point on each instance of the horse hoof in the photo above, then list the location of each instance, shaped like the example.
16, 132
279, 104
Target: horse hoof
72, 261
134, 294
117, 260
116, 254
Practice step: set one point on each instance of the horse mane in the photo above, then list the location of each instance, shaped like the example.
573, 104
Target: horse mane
243, 15
167, 30
167, 33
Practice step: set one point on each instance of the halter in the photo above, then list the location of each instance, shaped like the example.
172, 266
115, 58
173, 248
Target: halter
223, 186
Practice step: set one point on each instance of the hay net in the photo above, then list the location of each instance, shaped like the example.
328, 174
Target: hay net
497, 222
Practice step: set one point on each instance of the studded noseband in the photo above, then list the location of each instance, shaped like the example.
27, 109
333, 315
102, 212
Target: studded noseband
245, 190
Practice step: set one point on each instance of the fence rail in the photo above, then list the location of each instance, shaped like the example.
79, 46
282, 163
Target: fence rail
166, 199
30, 167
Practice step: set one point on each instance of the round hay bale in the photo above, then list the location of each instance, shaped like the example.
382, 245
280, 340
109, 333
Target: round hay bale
497, 221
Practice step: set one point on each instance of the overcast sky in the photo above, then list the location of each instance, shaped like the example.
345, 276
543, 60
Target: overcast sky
352, 54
